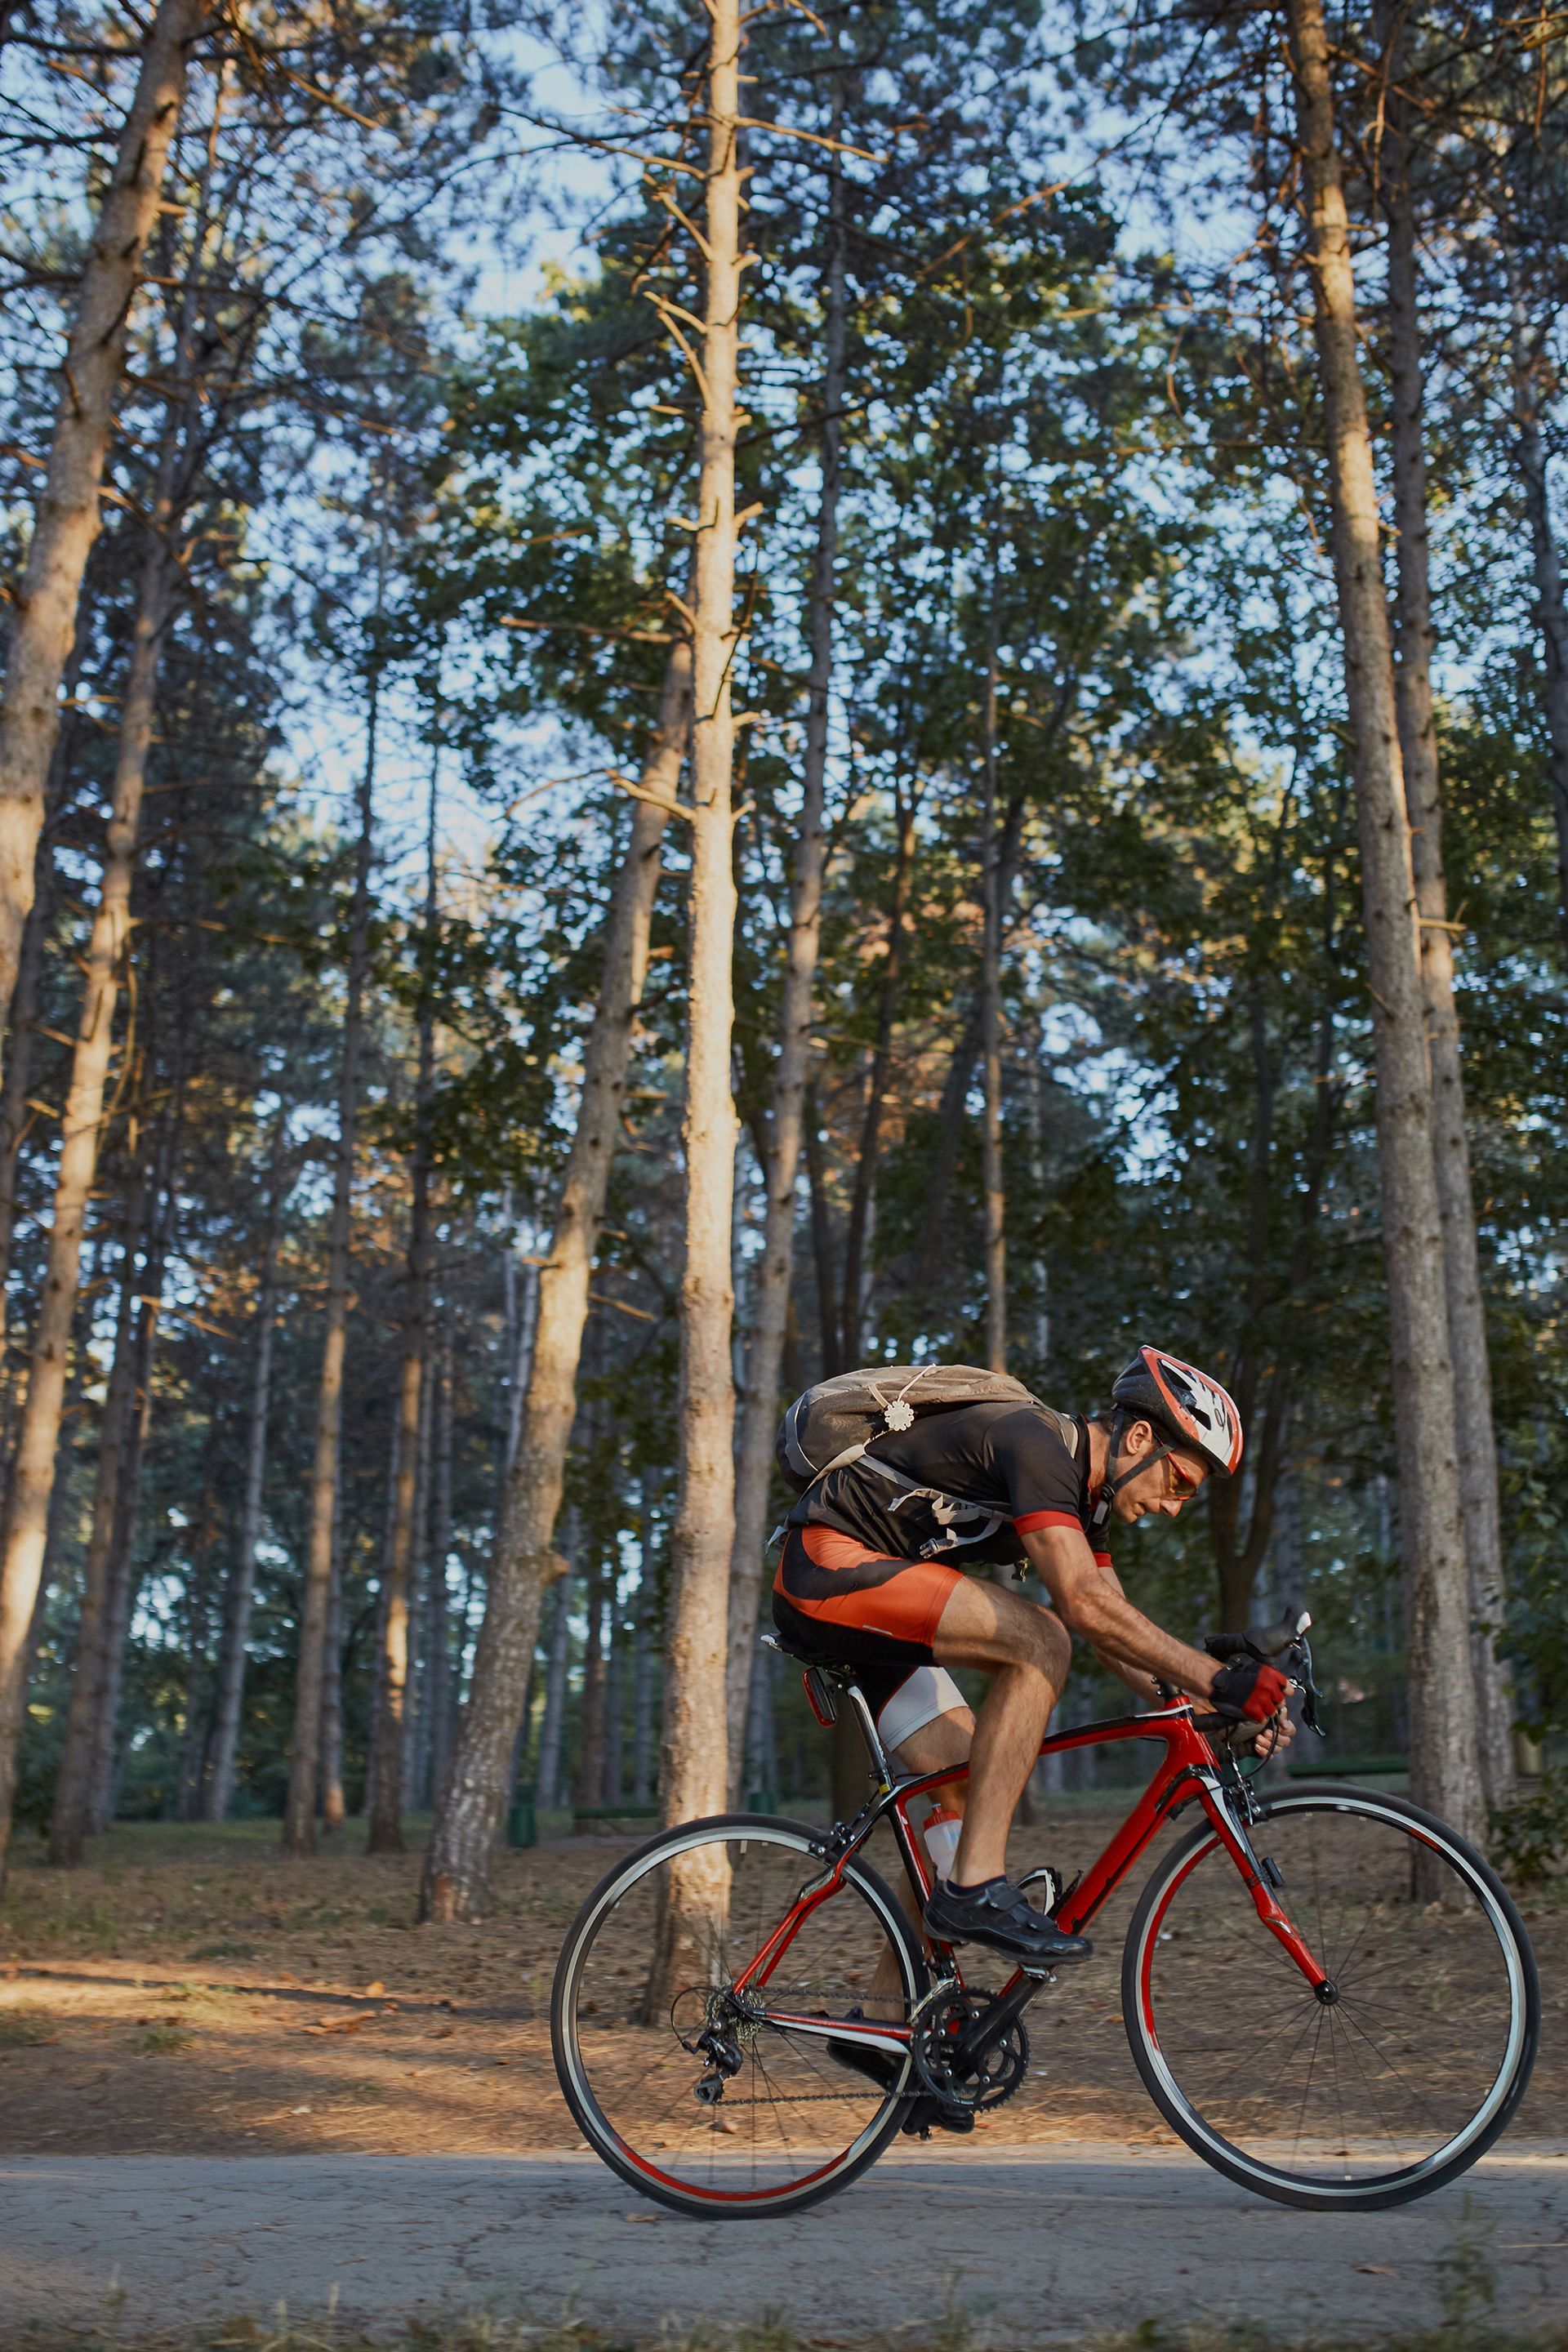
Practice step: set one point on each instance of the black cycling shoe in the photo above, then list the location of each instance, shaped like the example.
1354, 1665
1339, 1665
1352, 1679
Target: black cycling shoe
879, 2066
925, 2111
1000, 1915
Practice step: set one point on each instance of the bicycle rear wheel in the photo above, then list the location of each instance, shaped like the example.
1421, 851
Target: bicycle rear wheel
1390, 2081
792, 2122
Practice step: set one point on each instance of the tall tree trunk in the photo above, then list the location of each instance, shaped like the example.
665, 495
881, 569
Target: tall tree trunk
33, 1475
240, 1592
612, 1763
591, 1712
830, 1323
69, 513
932, 1252
334, 1804
694, 1774
386, 1811
124, 1580
643, 1654
458, 1868
547, 1778
1550, 609
438, 1635
196, 1734
67, 1822
1474, 1440
992, 1190
1444, 1770
754, 1462
858, 1239
299, 1813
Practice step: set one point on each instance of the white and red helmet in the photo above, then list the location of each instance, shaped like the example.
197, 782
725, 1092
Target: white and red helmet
1185, 1405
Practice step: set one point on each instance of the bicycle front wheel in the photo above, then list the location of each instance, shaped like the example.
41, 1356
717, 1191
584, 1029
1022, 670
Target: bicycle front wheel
1381, 2084
692, 2017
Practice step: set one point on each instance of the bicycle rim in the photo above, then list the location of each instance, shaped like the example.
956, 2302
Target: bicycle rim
794, 2123
1399, 2079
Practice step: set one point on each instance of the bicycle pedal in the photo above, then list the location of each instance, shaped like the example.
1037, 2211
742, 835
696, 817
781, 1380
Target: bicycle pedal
1039, 1976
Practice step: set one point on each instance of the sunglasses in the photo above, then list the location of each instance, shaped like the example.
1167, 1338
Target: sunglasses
1179, 1486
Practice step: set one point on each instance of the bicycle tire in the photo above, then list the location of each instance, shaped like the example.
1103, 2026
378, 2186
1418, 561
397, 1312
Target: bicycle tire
1315, 2190
611, 2144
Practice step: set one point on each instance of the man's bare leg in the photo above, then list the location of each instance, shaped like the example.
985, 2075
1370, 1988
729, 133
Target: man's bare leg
1025, 1649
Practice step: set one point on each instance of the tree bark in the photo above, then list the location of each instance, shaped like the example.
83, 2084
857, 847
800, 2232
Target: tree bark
33, 1474
69, 510
299, 1813
387, 1813
858, 1239
1444, 1768
758, 1419
439, 1637
124, 1582
458, 1870
694, 1756
547, 1778
240, 1592
333, 1805
1550, 610
1474, 1440
67, 1824
993, 1197
591, 1711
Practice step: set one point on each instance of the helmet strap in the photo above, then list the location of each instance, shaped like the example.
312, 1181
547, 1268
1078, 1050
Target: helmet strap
1114, 1479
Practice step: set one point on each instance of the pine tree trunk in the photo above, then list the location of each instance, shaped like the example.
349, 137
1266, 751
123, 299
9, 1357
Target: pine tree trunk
458, 1869
857, 1243
438, 1639
1475, 1441
68, 1821
1550, 610
68, 519
386, 1810
240, 1593
643, 1653
547, 1778
299, 1813
197, 1733
612, 1761
591, 1711
1444, 1774
992, 1183
758, 1420
694, 1771
37, 1449
108, 1758
334, 1804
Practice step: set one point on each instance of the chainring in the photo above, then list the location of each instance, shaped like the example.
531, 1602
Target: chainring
986, 2081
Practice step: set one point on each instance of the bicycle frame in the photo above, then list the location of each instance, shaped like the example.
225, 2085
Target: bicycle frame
1186, 1774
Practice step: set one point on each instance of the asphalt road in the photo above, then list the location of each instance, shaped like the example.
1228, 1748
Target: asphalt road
1029, 2241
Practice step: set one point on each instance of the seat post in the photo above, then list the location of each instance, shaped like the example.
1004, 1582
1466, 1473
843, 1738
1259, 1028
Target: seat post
869, 1732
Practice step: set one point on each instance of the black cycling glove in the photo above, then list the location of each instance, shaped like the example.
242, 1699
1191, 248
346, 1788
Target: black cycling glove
1249, 1690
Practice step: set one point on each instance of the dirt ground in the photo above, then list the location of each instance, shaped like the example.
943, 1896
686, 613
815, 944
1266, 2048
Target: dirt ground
193, 1991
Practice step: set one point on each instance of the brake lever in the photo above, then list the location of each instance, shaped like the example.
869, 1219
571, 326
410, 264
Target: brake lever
1301, 1659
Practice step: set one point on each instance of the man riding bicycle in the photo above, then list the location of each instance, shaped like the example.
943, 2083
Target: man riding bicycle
866, 1577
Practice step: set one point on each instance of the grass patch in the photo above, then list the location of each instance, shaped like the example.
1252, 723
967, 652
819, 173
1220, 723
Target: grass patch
26, 2027
163, 2036
493, 2331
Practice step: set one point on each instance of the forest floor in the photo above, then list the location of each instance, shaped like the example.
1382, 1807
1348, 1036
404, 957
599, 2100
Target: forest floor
193, 1991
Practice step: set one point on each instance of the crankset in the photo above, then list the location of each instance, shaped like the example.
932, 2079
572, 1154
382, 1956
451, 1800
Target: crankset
985, 2076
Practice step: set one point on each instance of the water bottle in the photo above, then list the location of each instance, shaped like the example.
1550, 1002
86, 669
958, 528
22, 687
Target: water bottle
942, 1830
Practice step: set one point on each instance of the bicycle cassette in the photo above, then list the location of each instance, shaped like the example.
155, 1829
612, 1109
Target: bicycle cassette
990, 2075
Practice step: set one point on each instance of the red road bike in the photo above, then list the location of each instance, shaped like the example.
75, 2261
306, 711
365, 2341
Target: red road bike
1328, 1994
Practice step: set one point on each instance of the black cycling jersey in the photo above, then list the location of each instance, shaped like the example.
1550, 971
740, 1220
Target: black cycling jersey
970, 1480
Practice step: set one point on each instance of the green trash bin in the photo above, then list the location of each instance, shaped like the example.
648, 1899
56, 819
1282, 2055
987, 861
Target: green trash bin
522, 1827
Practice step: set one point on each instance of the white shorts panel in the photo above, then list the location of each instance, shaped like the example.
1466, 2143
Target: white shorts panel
930, 1690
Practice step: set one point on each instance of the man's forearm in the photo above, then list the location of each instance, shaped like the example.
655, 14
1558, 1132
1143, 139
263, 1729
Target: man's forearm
1112, 1625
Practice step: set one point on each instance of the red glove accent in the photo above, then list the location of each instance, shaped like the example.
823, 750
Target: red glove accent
1250, 1691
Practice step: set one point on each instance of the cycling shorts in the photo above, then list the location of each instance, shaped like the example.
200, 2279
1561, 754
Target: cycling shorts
837, 1599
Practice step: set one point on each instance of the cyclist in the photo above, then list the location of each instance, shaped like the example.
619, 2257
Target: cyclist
868, 1576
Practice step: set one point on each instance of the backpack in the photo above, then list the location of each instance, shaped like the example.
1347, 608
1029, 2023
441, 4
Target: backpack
834, 1423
